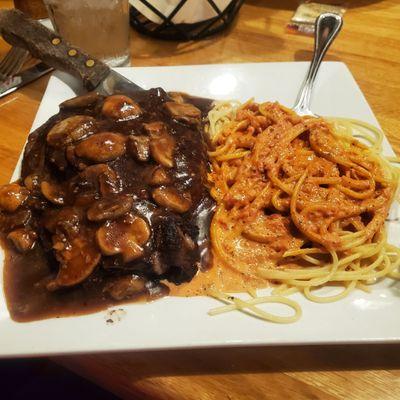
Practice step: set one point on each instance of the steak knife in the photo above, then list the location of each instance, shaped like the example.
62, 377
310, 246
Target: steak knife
22, 31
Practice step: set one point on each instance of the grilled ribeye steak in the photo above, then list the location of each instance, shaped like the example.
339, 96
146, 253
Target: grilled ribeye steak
112, 199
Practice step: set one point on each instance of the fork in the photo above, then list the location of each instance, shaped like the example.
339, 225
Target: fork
12, 63
327, 27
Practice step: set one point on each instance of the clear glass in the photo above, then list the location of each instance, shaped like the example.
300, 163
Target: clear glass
99, 27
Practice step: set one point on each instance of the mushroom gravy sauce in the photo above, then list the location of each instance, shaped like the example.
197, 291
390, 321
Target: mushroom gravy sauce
112, 202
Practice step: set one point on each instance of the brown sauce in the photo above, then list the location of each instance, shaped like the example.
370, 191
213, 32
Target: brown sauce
25, 278
177, 247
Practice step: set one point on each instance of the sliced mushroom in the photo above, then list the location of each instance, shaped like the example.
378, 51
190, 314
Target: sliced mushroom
156, 128
159, 177
70, 130
23, 239
98, 178
86, 199
102, 147
170, 198
109, 183
133, 286
126, 287
162, 149
19, 218
91, 174
12, 196
125, 236
184, 112
32, 182
72, 158
177, 97
139, 147
110, 208
66, 220
121, 107
85, 100
78, 259
53, 192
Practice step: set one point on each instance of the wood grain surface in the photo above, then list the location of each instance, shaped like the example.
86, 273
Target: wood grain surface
370, 45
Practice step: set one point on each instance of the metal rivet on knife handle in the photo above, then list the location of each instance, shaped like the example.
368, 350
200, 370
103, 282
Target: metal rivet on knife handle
72, 53
56, 41
90, 63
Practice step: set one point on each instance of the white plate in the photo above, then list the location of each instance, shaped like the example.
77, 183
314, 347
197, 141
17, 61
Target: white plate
183, 322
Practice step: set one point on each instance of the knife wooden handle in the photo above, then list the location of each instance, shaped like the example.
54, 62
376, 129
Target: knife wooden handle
20, 30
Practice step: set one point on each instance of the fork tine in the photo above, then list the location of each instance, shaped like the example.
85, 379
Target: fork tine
14, 62
6, 60
11, 65
14, 65
12, 56
21, 61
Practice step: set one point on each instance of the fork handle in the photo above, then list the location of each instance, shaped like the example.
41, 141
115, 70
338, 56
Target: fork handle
327, 27
22, 31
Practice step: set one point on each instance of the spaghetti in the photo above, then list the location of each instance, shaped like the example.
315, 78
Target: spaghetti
301, 204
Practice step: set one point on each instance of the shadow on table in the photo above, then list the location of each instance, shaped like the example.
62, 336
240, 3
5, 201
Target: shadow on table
140, 365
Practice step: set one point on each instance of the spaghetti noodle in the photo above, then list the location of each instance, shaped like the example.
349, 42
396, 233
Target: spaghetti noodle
301, 203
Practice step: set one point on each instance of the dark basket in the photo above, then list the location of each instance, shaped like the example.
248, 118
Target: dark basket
170, 31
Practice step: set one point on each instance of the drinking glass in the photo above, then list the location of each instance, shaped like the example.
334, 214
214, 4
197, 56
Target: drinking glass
99, 27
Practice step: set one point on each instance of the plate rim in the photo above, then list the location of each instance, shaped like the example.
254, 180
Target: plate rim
203, 345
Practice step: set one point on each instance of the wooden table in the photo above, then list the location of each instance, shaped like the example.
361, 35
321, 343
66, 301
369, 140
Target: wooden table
370, 46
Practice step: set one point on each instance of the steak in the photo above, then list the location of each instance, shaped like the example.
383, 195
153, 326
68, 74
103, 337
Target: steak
112, 201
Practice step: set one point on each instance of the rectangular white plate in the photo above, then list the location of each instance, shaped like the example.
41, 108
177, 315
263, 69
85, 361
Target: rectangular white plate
183, 322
